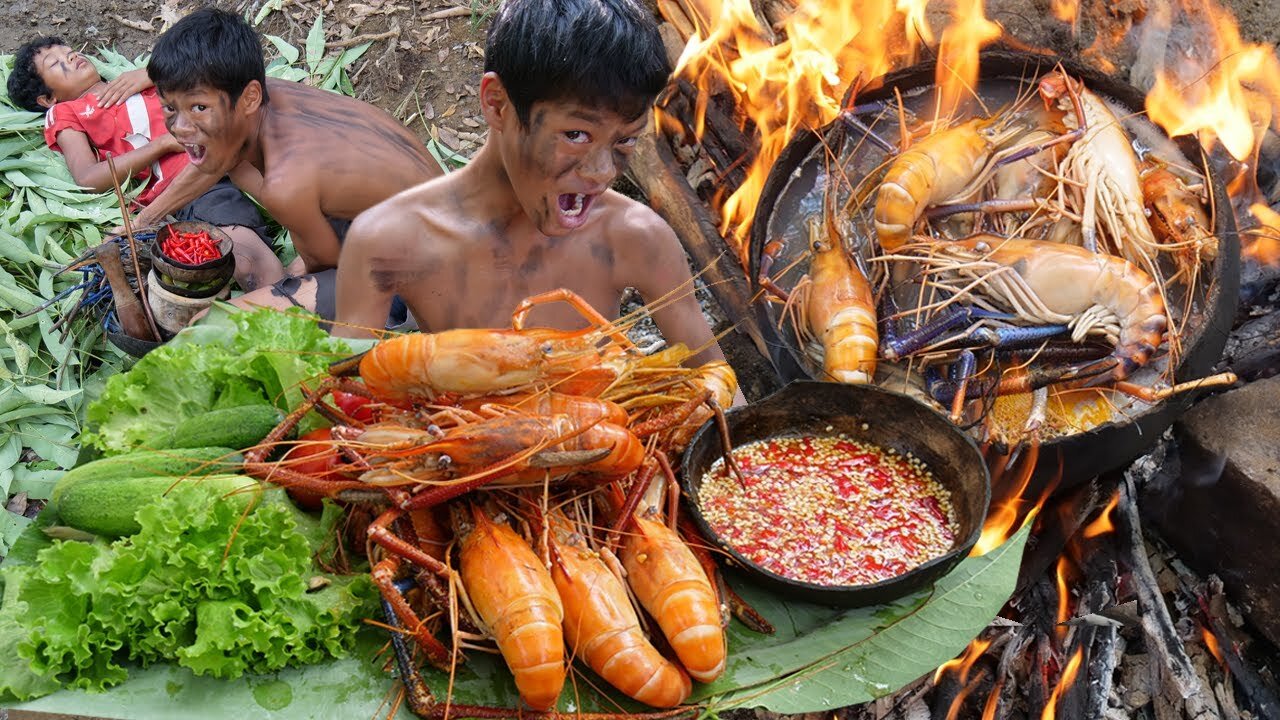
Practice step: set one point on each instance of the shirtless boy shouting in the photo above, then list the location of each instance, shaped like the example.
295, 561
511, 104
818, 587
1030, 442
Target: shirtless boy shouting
567, 89
312, 158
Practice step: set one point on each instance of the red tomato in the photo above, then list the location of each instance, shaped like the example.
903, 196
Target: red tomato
354, 406
312, 456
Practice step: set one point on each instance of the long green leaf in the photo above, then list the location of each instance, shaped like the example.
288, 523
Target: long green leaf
315, 44
287, 51
880, 657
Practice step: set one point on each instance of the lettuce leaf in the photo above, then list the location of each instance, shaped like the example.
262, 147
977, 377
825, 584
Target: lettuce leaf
261, 356
198, 585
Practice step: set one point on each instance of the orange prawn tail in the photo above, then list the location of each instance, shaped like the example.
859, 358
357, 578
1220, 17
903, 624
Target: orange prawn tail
669, 583
842, 310
718, 377
514, 595
602, 628
932, 170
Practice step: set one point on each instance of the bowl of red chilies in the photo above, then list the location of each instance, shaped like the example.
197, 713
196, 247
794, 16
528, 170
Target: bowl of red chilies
192, 259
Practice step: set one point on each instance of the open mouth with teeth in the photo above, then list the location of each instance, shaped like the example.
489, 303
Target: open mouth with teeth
573, 208
195, 152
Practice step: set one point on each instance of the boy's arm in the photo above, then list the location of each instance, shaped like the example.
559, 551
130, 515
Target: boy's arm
667, 275
186, 186
660, 270
123, 85
362, 303
95, 174
313, 237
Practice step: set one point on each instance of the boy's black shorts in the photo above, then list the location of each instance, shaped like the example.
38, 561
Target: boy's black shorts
327, 303
224, 204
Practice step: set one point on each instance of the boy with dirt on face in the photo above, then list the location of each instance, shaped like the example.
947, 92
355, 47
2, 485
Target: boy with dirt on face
567, 89
313, 159
89, 120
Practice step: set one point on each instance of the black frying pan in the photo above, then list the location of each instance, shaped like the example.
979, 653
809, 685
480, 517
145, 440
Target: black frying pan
893, 421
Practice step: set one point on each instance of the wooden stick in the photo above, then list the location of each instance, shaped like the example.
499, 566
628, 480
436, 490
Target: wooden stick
133, 252
392, 33
1170, 662
652, 170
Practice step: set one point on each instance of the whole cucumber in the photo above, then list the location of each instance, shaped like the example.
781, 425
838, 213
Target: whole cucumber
107, 506
188, 462
237, 427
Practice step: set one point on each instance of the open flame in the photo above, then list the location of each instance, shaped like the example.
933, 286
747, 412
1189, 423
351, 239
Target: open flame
957, 71
961, 667
1102, 524
1017, 507
1226, 95
1224, 91
1221, 89
1211, 642
1265, 247
1065, 10
1063, 573
800, 82
1064, 682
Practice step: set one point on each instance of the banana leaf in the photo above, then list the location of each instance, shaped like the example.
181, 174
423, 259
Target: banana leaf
820, 658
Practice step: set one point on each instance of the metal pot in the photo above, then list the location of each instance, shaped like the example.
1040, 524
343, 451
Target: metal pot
868, 414
802, 164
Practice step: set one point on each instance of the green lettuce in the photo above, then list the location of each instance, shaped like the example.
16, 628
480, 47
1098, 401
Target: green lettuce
198, 585
257, 357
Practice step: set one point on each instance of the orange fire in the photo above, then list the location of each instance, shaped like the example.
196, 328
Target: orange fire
961, 667
957, 71
1265, 247
826, 47
964, 662
1006, 517
1065, 10
1211, 642
1064, 682
1225, 91
1227, 95
1064, 593
1102, 524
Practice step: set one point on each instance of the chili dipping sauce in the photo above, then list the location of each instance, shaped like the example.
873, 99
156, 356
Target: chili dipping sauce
829, 510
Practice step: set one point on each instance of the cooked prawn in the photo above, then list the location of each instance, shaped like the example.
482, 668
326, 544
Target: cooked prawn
670, 584
603, 629
514, 595
1052, 283
840, 310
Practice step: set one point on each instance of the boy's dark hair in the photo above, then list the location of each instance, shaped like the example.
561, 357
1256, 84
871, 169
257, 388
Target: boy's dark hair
605, 53
25, 84
212, 48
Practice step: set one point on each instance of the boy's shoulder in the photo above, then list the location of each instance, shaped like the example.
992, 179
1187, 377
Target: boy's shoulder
422, 209
623, 218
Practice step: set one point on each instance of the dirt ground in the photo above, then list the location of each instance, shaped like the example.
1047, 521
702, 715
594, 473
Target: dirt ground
428, 54
421, 68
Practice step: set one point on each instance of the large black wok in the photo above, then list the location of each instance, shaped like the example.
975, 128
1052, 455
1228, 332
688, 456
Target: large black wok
787, 199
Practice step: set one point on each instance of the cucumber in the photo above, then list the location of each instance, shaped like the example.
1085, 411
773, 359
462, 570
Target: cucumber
175, 463
236, 427
107, 506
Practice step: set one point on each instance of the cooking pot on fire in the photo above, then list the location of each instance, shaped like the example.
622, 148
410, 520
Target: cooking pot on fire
801, 173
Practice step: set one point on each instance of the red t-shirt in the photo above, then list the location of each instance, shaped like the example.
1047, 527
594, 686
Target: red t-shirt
117, 130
